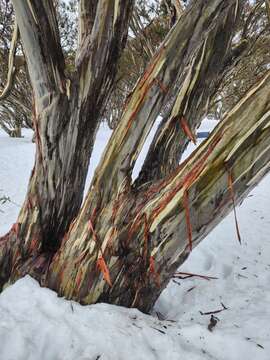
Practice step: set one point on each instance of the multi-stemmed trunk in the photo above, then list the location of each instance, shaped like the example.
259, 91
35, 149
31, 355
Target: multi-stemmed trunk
126, 240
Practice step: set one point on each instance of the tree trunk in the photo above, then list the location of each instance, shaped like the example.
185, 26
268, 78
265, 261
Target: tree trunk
125, 242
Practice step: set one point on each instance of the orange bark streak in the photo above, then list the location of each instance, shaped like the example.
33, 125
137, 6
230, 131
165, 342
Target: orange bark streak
91, 228
187, 130
188, 222
162, 86
79, 278
146, 237
15, 228
102, 266
153, 272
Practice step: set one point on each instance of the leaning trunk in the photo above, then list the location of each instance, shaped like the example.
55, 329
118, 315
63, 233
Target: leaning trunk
126, 252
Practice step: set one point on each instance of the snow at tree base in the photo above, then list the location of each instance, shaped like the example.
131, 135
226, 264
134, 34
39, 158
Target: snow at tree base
35, 324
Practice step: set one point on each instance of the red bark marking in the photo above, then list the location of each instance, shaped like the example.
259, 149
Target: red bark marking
94, 214
16, 228
142, 82
138, 106
29, 204
102, 266
150, 68
79, 278
33, 244
162, 86
153, 272
230, 185
187, 130
188, 222
146, 237
91, 228
95, 237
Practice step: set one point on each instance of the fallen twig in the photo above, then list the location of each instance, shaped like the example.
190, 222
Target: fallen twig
186, 275
215, 311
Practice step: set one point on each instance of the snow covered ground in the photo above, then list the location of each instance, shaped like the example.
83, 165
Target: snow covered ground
37, 325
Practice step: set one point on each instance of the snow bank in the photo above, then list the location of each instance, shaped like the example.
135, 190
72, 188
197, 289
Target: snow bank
35, 324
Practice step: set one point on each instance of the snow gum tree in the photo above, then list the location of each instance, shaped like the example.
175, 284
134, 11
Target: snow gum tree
125, 241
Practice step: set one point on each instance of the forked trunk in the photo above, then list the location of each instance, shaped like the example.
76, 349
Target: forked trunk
125, 242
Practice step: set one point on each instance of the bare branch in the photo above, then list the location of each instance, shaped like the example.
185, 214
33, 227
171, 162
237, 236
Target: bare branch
11, 63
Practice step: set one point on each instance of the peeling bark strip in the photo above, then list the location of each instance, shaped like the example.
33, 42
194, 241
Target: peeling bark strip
153, 272
188, 222
187, 131
101, 265
126, 242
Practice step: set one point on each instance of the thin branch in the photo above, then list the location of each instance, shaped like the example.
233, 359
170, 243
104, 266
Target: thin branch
11, 63
41, 41
185, 275
214, 311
